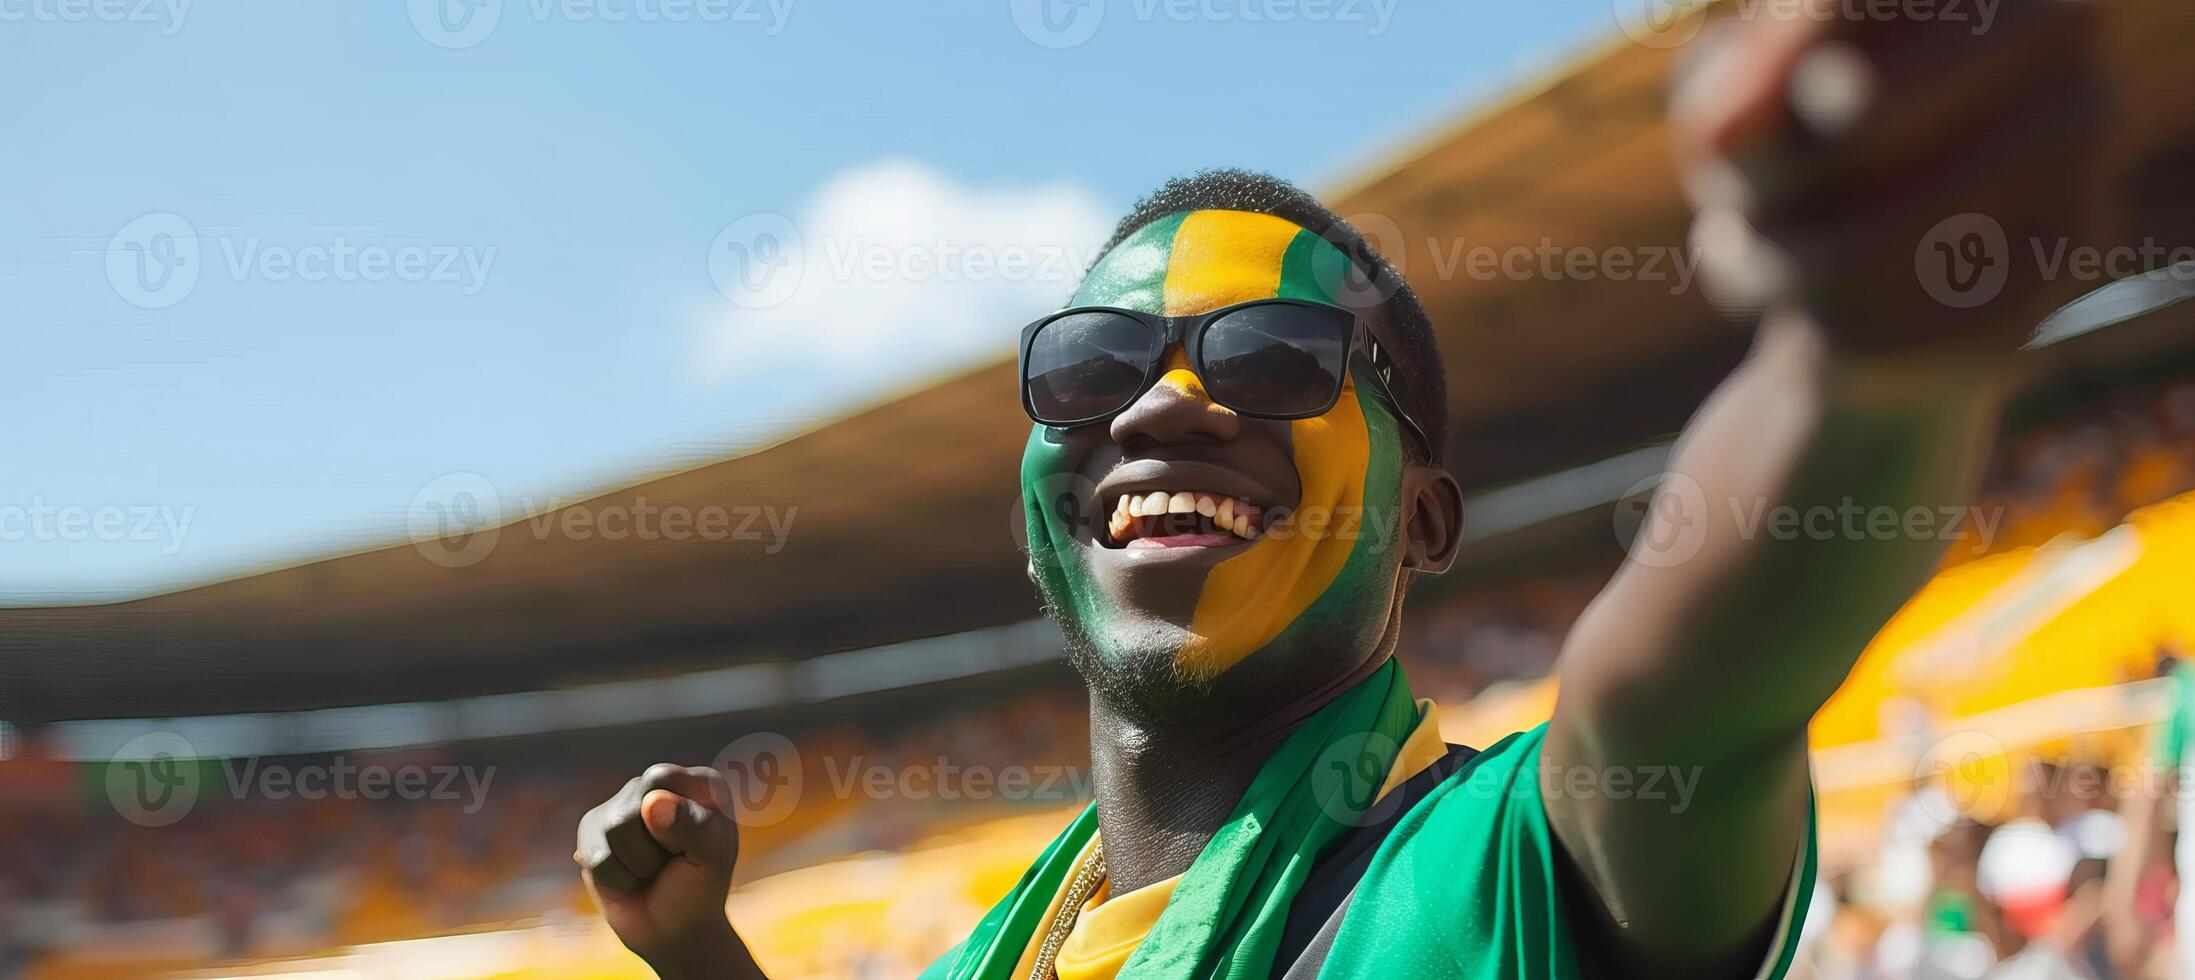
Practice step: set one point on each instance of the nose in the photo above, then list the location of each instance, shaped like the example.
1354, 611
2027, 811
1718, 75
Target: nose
1176, 410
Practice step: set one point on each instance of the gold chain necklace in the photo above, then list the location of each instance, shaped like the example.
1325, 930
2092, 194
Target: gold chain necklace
1088, 876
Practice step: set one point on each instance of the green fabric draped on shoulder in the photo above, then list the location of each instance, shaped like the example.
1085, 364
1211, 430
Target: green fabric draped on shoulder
1465, 885
1226, 916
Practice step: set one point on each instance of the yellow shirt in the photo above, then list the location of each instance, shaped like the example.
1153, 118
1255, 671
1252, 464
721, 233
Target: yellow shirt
1109, 927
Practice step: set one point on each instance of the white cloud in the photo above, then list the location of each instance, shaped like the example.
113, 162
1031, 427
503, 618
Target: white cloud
891, 273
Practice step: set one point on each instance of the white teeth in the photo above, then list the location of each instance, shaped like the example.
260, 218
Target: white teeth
1231, 514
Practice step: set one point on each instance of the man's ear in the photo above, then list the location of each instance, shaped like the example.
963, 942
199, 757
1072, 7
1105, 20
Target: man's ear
1432, 519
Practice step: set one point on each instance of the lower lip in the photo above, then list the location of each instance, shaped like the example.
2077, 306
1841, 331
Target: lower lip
1182, 541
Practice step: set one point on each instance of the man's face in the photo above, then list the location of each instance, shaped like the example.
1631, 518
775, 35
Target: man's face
1177, 605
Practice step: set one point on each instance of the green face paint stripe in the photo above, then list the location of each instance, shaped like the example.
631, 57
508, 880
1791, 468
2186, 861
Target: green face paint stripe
1133, 274
1378, 530
1309, 262
1046, 471
1308, 268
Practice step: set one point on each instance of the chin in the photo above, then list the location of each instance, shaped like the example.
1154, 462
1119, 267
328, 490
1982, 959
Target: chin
1131, 659
1137, 673
1135, 669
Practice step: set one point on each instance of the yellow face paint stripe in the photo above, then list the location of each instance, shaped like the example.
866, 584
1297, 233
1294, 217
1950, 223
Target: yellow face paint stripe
1221, 258
1249, 599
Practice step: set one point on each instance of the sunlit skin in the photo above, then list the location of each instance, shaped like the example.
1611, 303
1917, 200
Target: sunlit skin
1318, 578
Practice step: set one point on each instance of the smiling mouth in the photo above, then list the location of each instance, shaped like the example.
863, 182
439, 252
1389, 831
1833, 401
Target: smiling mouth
1182, 519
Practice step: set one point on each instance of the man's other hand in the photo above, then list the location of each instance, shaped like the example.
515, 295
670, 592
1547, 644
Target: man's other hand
658, 858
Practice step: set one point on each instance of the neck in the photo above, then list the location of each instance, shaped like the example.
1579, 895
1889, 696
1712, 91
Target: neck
1163, 789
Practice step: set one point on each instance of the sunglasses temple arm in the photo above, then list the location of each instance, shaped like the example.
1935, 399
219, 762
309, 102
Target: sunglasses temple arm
1416, 432
1386, 389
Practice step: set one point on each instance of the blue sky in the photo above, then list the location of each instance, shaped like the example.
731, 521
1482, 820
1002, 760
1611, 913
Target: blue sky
501, 254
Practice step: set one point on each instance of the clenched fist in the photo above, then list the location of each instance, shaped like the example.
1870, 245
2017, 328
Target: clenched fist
658, 859
1893, 175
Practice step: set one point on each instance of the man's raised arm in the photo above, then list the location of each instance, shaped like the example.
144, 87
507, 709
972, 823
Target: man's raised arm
1820, 154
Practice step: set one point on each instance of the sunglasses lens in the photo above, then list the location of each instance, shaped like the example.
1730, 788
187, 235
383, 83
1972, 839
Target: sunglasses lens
1277, 360
1085, 365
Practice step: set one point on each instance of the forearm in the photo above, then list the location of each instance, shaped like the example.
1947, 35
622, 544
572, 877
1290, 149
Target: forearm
1743, 606
724, 955
1807, 500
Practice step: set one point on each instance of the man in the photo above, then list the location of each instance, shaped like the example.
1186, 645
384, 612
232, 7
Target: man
1235, 472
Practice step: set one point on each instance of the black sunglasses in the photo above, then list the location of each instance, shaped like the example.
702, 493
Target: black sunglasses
1270, 359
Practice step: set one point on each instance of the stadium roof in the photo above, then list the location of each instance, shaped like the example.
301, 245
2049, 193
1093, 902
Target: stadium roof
904, 515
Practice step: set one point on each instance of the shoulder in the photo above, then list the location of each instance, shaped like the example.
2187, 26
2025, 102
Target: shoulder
1478, 845
1500, 775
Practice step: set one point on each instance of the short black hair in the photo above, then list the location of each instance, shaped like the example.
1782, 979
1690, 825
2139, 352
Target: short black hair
1409, 328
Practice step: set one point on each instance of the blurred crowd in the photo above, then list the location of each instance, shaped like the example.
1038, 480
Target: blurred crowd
2031, 895
2084, 470
2053, 886
1496, 631
244, 876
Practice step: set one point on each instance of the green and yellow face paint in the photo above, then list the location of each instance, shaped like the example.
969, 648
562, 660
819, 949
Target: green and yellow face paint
1330, 560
